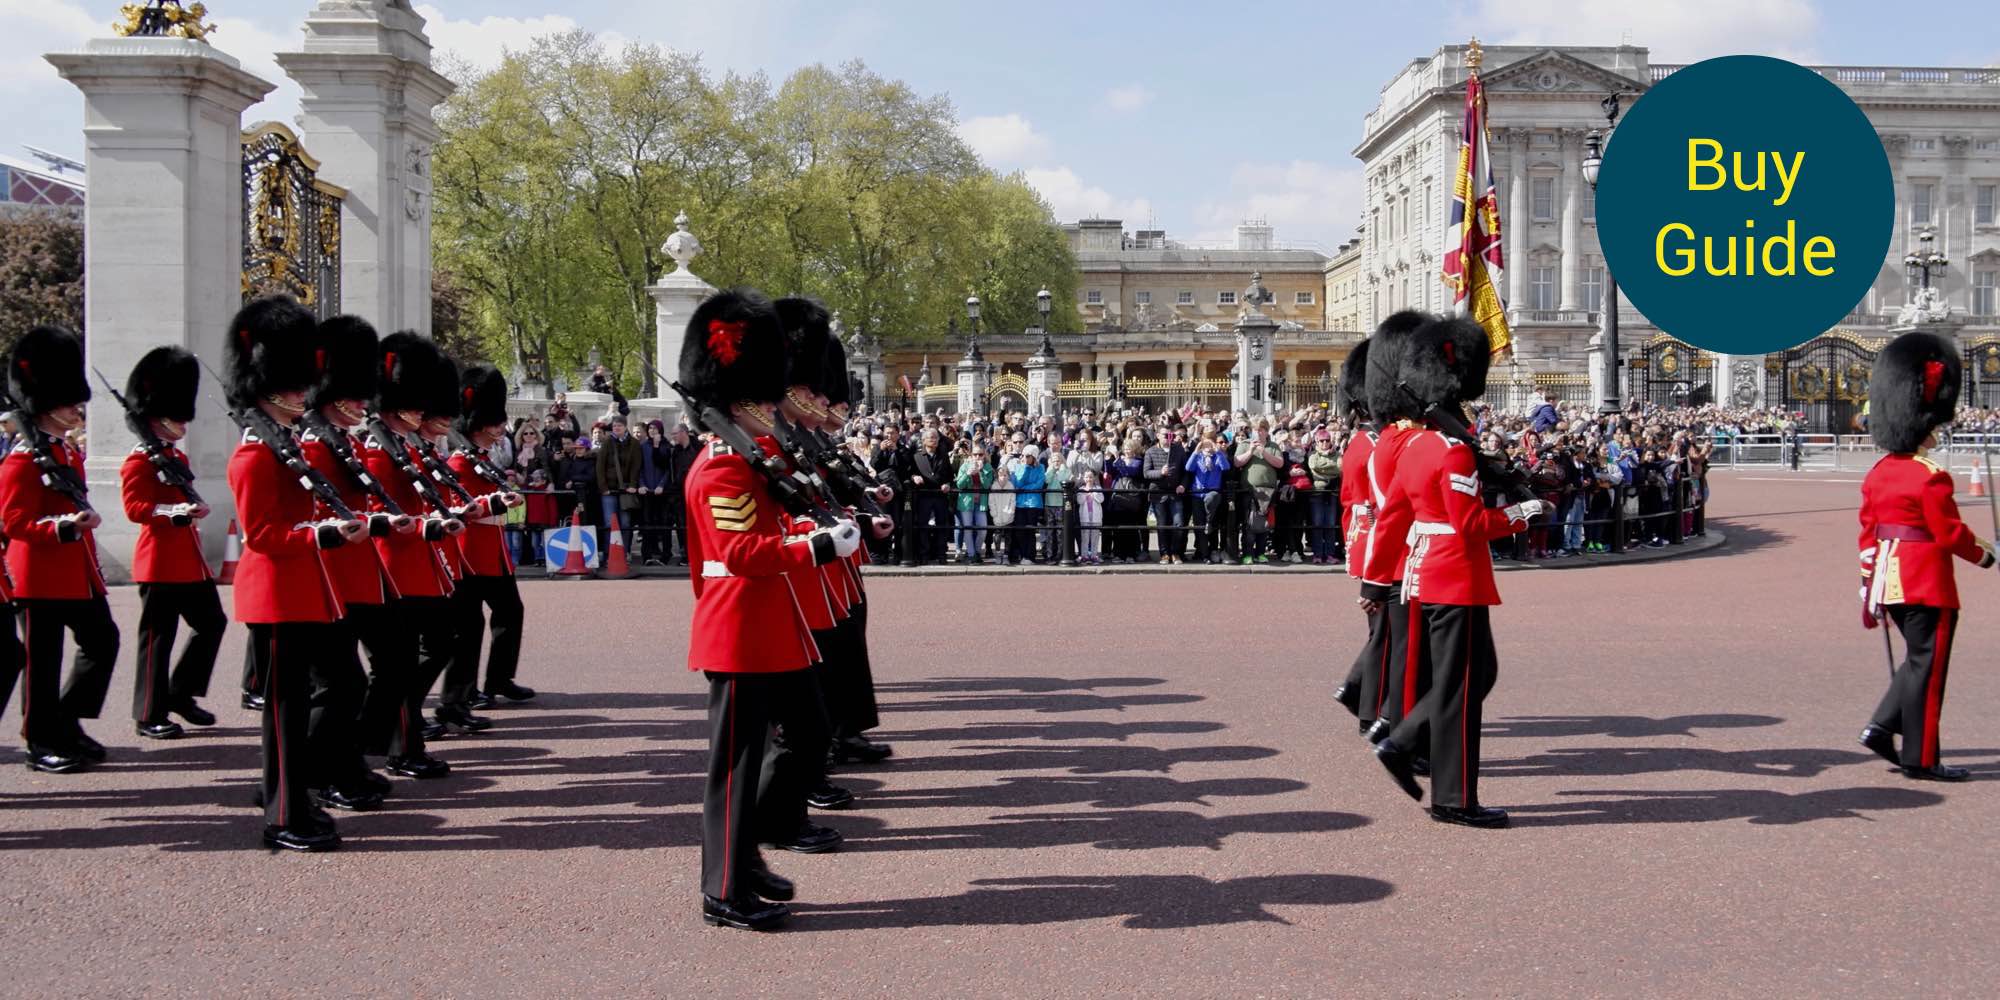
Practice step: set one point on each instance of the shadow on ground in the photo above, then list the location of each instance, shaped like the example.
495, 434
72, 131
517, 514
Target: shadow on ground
1144, 901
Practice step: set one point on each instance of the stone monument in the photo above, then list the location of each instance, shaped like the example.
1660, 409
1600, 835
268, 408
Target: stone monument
675, 297
1256, 334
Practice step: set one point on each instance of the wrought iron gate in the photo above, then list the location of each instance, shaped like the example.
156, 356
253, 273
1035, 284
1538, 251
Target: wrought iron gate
1666, 372
1825, 378
291, 222
1982, 372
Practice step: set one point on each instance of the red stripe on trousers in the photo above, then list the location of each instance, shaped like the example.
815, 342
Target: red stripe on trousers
1410, 658
728, 783
1934, 691
28, 660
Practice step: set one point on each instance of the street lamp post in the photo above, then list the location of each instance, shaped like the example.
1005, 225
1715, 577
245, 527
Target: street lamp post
1042, 304
1593, 158
972, 313
1924, 262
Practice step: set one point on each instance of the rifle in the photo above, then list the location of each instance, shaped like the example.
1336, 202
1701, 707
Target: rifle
57, 474
172, 470
342, 447
841, 464
791, 489
480, 463
440, 471
282, 444
391, 444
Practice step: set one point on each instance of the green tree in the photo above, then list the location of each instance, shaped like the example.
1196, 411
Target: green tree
41, 272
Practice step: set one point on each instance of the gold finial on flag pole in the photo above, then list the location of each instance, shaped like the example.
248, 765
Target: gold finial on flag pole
1474, 55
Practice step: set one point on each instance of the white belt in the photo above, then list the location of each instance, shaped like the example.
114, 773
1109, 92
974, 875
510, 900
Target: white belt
1363, 509
1418, 528
489, 520
712, 570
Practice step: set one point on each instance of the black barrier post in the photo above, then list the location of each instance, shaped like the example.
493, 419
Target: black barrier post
909, 526
1068, 555
1618, 519
1674, 533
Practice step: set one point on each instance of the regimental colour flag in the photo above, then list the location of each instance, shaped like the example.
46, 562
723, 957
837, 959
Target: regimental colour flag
1473, 265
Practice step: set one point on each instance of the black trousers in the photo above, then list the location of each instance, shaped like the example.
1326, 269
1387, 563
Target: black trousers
847, 679
162, 608
656, 528
1914, 702
1022, 537
932, 525
1370, 671
288, 655
49, 718
12, 656
761, 732
473, 598
1463, 668
1409, 653
338, 687
408, 642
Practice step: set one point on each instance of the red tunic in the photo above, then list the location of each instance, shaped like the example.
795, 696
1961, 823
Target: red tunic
1910, 529
1357, 502
747, 617
415, 566
1450, 560
356, 568
485, 538
1388, 538
281, 576
43, 566
166, 552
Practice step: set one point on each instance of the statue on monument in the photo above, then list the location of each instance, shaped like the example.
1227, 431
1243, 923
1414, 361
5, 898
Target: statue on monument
163, 19
1256, 296
682, 246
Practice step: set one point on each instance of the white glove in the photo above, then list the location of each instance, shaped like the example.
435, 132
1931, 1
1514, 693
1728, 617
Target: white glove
1527, 510
846, 538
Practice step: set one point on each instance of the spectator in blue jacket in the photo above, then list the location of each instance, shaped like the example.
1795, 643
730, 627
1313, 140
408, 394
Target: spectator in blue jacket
1205, 466
1543, 418
1032, 482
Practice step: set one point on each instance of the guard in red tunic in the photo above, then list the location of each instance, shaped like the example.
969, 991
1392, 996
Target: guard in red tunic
488, 585
1910, 533
1383, 560
443, 406
854, 711
175, 583
1449, 573
51, 556
336, 404
410, 650
1361, 691
282, 590
748, 634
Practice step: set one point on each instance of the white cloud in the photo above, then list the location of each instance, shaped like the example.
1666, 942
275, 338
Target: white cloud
483, 42
1303, 200
1128, 98
255, 48
38, 26
1073, 199
1003, 140
1673, 30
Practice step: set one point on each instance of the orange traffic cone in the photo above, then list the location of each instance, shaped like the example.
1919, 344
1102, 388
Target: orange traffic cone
232, 550
573, 564
615, 566
1979, 486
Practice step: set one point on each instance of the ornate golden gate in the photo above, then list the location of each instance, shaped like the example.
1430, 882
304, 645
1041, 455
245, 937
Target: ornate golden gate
291, 222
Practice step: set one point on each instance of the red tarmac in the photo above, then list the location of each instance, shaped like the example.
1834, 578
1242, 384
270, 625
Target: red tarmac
1130, 787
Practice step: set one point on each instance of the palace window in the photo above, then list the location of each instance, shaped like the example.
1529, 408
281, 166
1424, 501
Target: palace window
1225, 298
1542, 192
1923, 145
1589, 203
1093, 298
1142, 298
1542, 288
1982, 204
1302, 299
1593, 288
1984, 291
1920, 203
1183, 298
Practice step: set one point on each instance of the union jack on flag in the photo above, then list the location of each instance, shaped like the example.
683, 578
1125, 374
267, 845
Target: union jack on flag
1473, 265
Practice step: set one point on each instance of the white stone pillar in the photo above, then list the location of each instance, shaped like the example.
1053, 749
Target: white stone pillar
1515, 223
163, 244
1572, 224
675, 297
366, 115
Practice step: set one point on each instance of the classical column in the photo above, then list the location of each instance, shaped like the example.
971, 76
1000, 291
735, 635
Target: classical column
1516, 221
366, 114
162, 244
1572, 223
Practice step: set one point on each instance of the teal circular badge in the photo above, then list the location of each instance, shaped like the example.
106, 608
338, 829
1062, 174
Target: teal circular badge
1745, 204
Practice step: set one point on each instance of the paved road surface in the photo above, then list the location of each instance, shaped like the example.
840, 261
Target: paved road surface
1105, 787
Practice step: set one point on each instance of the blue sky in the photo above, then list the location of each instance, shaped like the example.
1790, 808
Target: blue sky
1192, 116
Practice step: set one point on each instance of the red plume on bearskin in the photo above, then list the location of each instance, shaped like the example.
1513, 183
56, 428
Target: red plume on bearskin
411, 369
162, 386
271, 349
1913, 389
1448, 360
348, 368
734, 349
45, 370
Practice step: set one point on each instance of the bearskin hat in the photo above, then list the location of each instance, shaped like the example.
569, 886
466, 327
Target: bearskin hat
1448, 362
1913, 389
46, 370
443, 398
482, 398
348, 369
808, 329
1389, 351
273, 347
838, 389
409, 370
161, 387
734, 350
1354, 381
